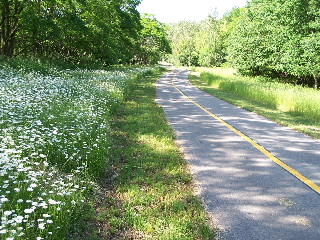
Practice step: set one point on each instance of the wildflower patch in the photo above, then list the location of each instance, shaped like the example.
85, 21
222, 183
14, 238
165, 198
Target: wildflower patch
54, 143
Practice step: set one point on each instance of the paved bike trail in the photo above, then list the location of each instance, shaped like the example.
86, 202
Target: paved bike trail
249, 195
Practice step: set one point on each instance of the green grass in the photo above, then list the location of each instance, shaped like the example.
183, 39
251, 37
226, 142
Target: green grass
56, 147
88, 154
294, 106
153, 196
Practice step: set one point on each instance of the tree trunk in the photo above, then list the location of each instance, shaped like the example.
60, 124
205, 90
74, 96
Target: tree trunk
9, 21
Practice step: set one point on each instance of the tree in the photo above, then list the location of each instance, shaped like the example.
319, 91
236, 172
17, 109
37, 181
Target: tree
208, 43
278, 38
114, 29
153, 40
310, 59
227, 25
197, 43
52, 28
106, 30
250, 44
10, 11
182, 37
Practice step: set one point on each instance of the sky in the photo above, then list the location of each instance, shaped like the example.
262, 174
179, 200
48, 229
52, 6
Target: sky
173, 11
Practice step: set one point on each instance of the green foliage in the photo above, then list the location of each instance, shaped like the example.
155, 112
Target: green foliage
198, 44
278, 38
182, 37
153, 41
209, 43
80, 31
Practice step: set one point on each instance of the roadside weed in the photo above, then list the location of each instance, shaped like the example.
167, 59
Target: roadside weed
294, 106
55, 145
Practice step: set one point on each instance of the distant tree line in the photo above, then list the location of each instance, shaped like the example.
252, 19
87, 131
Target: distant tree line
276, 38
197, 43
111, 31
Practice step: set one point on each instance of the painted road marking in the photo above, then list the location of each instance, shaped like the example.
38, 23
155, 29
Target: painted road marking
294, 172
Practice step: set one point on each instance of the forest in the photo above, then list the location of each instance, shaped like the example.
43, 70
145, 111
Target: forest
278, 39
108, 31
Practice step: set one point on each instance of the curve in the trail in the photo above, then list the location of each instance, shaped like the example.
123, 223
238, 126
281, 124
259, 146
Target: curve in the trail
249, 195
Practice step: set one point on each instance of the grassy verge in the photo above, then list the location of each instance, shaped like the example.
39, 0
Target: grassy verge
292, 106
152, 197
55, 146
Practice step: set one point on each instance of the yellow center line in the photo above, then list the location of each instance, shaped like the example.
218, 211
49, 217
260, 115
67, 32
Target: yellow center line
294, 172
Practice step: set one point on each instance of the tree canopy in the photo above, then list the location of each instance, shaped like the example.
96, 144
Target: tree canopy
197, 44
153, 40
111, 31
266, 37
277, 38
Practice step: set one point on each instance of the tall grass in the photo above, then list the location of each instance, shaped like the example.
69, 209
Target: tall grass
285, 97
54, 144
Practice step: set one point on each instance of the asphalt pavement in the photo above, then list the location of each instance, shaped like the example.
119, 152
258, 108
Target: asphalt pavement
247, 193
